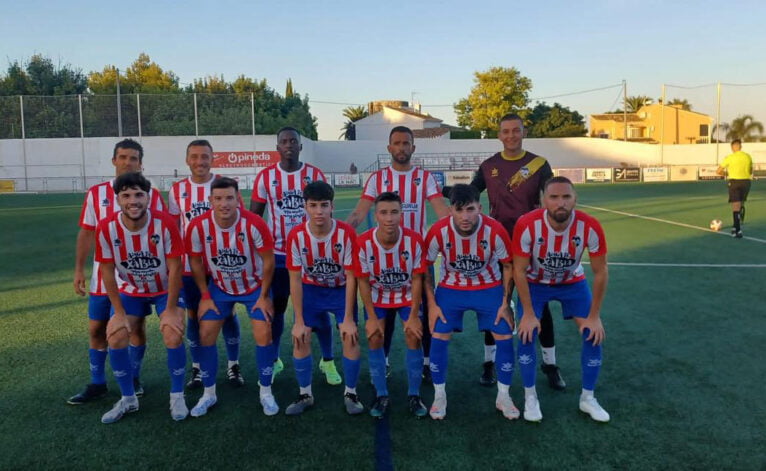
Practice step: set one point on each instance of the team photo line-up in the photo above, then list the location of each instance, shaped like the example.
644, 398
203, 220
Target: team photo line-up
195, 257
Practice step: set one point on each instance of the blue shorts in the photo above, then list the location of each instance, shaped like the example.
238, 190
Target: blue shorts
485, 302
384, 312
319, 301
225, 303
99, 307
141, 306
190, 295
280, 286
575, 298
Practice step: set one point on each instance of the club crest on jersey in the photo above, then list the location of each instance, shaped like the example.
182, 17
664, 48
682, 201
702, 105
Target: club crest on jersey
577, 241
495, 172
524, 172
306, 179
337, 247
484, 244
417, 180
117, 242
105, 202
468, 264
405, 255
155, 239
241, 236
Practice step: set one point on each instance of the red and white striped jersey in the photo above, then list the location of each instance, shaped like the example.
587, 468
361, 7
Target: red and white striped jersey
390, 271
554, 257
140, 258
187, 200
100, 204
232, 255
414, 187
469, 262
283, 194
322, 262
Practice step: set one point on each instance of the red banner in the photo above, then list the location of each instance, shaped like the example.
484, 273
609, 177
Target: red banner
244, 159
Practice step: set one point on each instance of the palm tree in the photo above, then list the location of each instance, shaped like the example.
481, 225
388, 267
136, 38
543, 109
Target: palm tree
634, 103
685, 105
353, 114
718, 129
744, 127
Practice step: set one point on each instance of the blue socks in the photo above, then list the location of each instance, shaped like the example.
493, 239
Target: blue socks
504, 361
177, 368
136, 358
208, 363
351, 371
377, 360
119, 358
414, 361
590, 360
97, 360
527, 361
303, 370
192, 334
231, 335
439, 360
264, 358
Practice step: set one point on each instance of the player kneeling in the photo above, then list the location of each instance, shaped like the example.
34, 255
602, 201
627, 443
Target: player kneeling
473, 247
239, 251
145, 247
548, 245
390, 272
320, 262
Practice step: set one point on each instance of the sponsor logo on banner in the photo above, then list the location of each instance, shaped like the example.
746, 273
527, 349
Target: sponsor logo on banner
576, 175
453, 178
655, 174
708, 172
346, 179
439, 177
594, 175
237, 159
683, 173
627, 174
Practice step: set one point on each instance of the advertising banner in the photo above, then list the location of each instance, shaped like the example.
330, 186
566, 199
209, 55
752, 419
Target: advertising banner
627, 174
346, 179
453, 178
439, 177
576, 175
708, 172
683, 173
237, 159
600, 175
655, 174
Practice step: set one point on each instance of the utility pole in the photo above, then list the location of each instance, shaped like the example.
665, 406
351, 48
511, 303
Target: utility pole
625, 108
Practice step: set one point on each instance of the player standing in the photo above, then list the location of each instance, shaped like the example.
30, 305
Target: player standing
390, 268
188, 199
414, 186
238, 249
100, 203
548, 245
739, 168
320, 258
280, 186
145, 248
473, 248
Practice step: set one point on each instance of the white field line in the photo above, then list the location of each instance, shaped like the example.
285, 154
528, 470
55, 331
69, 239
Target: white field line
680, 224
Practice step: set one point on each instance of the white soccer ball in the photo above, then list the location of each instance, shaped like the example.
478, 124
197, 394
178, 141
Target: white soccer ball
716, 225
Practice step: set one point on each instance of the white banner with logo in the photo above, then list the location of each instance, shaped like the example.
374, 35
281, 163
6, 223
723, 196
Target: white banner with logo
598, 175
708, 172
655, 174
346, 179
575, 175
683, 173
453, 178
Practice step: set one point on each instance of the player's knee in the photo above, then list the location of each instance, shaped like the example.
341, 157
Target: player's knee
500, 337
97, 331
351, 350
261, 333
119, 339
441, 336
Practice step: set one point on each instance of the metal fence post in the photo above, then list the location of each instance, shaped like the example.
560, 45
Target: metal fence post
138, 113
23, 142
82, 143
196, 121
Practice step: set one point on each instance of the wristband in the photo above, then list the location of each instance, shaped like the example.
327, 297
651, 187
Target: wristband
205, 296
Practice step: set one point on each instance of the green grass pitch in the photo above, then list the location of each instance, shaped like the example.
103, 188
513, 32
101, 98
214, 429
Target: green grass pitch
683, 377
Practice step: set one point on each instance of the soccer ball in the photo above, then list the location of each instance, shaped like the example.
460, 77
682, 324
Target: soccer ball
715, 225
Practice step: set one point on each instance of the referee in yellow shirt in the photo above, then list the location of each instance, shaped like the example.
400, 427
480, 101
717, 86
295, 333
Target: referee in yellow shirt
739, 167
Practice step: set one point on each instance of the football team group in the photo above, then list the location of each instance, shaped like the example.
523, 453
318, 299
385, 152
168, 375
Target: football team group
195, 258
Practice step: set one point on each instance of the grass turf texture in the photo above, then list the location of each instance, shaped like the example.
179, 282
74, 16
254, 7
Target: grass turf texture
681, 375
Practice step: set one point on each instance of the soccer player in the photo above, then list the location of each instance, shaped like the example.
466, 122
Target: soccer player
739, 167
320, 255
473, 248
188, 199
145, 248
280, 186
414, 186
100, 203
514, 180
548, 245
237, 247
390, 268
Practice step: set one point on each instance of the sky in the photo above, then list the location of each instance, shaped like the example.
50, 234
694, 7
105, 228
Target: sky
343, 53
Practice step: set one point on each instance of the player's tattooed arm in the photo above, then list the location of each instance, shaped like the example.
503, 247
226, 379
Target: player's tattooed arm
528, 322
505, 311
358, 214
593, 321
85, 242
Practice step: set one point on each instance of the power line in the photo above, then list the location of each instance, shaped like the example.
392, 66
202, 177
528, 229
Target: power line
691, 88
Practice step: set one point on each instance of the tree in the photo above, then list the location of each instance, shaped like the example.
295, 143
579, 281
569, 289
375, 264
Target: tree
634, 103
555, 121
744, 127
142, 76
496, 92
289, 89
684, 103
352, 114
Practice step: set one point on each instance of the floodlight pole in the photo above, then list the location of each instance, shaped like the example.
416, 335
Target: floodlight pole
23, 142
662, 127
718, 121
625, 109
82, 142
